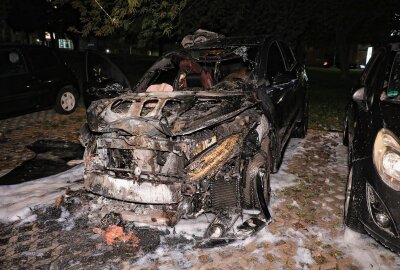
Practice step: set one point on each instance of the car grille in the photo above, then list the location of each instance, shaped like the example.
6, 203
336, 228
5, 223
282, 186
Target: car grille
121, 159
224, 194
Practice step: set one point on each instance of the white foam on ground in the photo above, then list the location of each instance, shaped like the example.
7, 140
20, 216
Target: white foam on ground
196, 227
283, 179
303, 258
366, 251
18, 201
267, 236
163, 254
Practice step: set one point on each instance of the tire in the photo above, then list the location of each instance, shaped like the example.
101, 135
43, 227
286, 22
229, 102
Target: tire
346, 133
66, 101
351, 209
349, 155
263, 190
253, 198
300, 128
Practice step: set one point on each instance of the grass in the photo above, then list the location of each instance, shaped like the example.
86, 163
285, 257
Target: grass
329, 95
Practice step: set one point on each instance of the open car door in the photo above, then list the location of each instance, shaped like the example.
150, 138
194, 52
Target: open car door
103, 78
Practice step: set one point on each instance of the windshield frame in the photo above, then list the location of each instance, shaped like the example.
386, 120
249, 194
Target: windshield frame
169, 60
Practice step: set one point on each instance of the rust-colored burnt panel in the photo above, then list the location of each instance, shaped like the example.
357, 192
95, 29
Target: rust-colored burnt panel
209, 162
151, 217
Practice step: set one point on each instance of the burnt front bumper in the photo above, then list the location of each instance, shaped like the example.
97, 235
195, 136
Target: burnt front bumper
138, 191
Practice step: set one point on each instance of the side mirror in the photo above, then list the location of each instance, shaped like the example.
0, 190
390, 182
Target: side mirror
359, 97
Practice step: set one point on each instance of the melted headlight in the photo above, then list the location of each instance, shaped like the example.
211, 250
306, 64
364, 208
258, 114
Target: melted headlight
213, 158
386, 157
203, 145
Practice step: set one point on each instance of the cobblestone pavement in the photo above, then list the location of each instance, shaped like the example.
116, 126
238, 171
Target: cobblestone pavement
307, 231
17, 132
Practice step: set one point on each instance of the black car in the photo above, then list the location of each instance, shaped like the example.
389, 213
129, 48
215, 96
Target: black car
372, 131
34, 78
200, 132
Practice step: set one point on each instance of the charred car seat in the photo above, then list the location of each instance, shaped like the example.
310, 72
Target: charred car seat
195, 76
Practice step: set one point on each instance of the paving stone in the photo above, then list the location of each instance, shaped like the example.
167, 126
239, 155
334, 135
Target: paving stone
328, 266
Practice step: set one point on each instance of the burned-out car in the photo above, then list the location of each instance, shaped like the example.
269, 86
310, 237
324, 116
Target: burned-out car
200, 132
372, 131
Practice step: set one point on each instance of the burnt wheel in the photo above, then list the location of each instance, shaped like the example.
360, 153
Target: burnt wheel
257, 187
263, 192
67, 100
351, 209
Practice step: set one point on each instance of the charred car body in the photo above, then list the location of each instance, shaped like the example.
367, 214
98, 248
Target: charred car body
200, 132
372, 131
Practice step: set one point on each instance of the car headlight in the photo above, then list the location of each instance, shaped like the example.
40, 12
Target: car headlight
213, 158
386, 157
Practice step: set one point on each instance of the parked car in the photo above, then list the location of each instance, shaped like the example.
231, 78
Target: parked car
104, 79
372, 130
35, 78
200, 132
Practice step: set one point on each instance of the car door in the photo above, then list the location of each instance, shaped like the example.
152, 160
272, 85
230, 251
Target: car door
364, 109
47, 71
282, 91
293, 69
103, 78
18, 87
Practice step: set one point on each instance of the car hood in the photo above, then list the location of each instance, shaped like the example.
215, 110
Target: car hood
167, 113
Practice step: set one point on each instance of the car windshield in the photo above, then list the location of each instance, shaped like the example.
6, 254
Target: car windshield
200, 69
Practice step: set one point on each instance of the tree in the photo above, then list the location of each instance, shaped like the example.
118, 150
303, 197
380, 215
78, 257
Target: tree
358, 21
149, 20
29, 16
342, 23
40, 16
285, 19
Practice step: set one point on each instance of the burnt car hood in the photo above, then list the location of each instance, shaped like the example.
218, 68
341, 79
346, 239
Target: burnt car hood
167, 113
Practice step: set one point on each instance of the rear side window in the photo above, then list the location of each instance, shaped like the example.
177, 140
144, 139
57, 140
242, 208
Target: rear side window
11, 62
288, 55
275, 64
42, 58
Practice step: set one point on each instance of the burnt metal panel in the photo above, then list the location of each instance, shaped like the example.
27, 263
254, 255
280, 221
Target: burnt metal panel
133, 190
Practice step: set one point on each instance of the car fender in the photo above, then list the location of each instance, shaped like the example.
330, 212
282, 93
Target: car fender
269, 111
